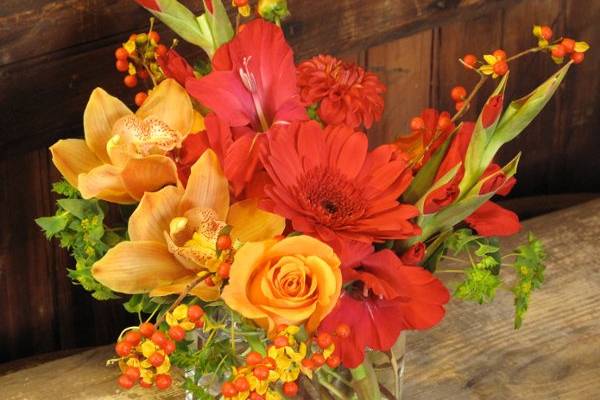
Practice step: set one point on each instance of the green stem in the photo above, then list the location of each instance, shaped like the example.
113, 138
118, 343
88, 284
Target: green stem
330, 388
449, 271
365, 382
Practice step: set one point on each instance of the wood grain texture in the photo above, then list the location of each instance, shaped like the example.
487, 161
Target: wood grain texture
63, 49
473, 354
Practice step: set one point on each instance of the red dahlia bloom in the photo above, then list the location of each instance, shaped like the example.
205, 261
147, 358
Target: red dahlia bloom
346, 92
384, 297
330, 186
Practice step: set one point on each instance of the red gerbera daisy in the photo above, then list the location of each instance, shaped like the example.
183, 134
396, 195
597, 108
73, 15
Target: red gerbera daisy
330, 186
383, 297
346, 93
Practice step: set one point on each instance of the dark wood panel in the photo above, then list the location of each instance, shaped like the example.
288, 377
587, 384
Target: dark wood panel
83, 35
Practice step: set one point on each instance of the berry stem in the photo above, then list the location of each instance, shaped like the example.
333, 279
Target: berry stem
182, 296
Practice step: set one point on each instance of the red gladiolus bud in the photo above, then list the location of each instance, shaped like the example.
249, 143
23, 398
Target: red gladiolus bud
491, 111
414, 255
149, 4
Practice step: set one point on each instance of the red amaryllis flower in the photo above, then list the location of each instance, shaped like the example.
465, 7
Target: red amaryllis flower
253, 82
346, 93
176, 67
383, 298
330, 186
422, 143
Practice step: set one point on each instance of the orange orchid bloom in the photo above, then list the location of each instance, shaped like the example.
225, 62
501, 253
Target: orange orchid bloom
173, 235
124, 154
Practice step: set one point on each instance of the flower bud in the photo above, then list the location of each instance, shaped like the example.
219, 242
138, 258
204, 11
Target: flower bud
273, 10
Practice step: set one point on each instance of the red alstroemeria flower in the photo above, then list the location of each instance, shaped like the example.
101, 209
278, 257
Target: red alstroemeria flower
330, 186
252, 87
175, 66
346, 93
488, 220
384, 298
420, 144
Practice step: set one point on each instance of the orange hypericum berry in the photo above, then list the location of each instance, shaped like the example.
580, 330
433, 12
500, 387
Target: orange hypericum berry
290, 389
253, 358
568, 44
159, 338
133, 373
156, 359
163, 381
147, 329
123, 348
122, 65
130, 81
143, 74
470, 60
177, 333
342, 331
169, 347
224, 242
154, 36
500, 68
333, 361
459, 105
318, 359
577, 57
241, 384
140, 98
133, 337
458, 93
256, 396
145, 385
281, 341
416, 124
261, 373
269, 362
240, 3
558, 51
444, 122
324, 340
125, 382
228, 390
308, 363
224, 269
162, 50
199, 323
499, 54
546, 32
121, 54
195, 312
280, 328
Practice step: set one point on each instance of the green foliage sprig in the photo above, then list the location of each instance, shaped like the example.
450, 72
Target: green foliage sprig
78, 224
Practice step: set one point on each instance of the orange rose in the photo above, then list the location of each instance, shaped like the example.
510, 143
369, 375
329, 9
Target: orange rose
291, 281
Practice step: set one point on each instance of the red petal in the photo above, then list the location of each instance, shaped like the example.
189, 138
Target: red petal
492, 220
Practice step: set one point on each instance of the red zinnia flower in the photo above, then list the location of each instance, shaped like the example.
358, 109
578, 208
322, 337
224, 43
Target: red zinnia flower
330, 186
384, 298
347, 93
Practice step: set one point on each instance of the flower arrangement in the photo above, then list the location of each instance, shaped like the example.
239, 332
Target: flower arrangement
268, 251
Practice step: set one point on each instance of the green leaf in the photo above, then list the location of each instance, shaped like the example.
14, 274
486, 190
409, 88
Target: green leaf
424, 178
65, 189
529, 266
53, 225
79, 207
221, 29
521, 112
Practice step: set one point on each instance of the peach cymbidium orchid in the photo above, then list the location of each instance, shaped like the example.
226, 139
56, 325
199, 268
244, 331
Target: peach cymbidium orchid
173, 235
125, 154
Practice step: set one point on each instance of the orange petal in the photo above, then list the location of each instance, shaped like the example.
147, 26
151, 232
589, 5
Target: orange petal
137, 267
101, 113
251, 224
329, 283
169, 103
148, 174
306, 246
207, 186
72, 157
154, 214
104, 182
204, 292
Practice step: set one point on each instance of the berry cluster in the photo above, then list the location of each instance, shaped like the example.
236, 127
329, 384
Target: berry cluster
562, 47
225, 250
459, 95
144, 350
137, 58
495, 64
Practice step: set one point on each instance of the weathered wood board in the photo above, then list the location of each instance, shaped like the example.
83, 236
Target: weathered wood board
474, 354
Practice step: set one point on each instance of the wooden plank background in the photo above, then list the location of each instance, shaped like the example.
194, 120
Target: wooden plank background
52, 53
